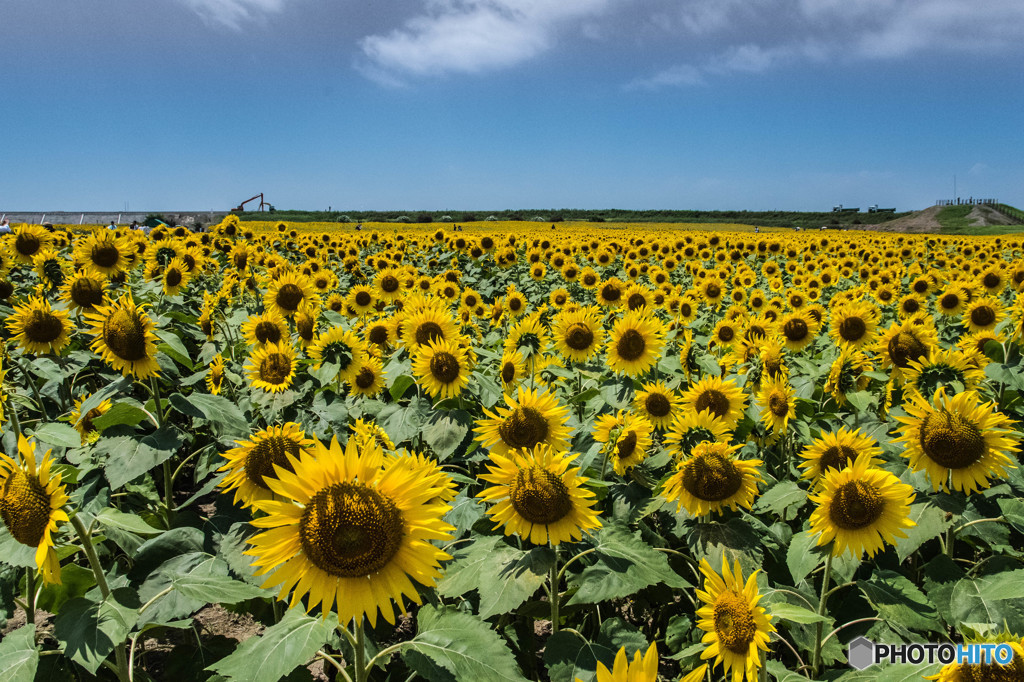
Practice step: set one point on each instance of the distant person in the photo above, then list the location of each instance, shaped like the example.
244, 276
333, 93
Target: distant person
5, 226
135, 224
111, 226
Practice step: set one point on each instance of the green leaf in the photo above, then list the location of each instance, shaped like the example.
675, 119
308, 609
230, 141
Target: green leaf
75, 581
60, 435
19, 657
122, 385
897, 600
504, 576
403, 424
279, 650
781, 498
173, 347
931, 522
132, 523
401, 385
128, 457
797, 614
125, 412
997, 599
626, 564
13, 552
216, 589
861, 400
1013, 512
194, 566
463, 646
90, 629
941, 575
446, 432
801, 556
216, 409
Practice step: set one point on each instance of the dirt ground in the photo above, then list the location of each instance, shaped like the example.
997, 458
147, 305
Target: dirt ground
927, 220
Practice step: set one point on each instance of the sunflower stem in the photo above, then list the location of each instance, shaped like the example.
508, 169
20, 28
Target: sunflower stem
362, 672
555, 597
30, 596
15, 422
168, 476
101, 581
816, 660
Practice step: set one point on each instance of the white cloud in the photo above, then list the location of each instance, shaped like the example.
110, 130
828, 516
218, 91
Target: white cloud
470, 36
233, 13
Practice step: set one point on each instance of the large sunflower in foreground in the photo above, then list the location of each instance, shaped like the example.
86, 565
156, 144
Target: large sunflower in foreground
441, 367
272, 367
254, 459
959, 441
532, 418
31, 501
713, 478
351, 531
103, 253
539, 497
635, 344
736, 628
860, 508
124, 337
722, 398
38, 328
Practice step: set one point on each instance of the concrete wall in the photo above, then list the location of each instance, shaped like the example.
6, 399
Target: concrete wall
103, 218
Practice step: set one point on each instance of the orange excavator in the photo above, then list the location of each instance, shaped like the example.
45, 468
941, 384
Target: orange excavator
269, 207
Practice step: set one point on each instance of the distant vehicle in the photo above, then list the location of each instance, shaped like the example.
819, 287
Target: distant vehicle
842, 209
875, 209
270, 207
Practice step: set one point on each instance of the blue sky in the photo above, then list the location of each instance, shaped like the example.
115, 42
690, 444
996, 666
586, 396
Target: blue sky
493, 104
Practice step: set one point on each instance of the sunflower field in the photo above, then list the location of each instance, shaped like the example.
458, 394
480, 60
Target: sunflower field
507, 452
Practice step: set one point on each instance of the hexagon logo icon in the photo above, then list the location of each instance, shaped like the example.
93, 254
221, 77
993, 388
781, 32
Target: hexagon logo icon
861, 653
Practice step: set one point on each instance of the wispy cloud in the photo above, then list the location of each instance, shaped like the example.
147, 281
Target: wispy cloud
233, 13
471, 36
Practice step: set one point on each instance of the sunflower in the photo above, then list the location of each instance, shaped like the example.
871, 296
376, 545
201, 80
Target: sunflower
442, 368
175, 277
512, 370
51, 268
289, 293
713, 478
834, 451
725, 334
910, 305
577, 335
30, 240
712, 291
83, 422
369, 380
31, 502
361, 299
442, 487
368, 430
737, 628
628, 436
350, 532
103, 253
529, 337
38, 328
724, 399
848, 374
531, 418
659, 404
952, 301
904, 342
515, 303
983, 314
339, 349
538, 496
942, 368
640, 670
778, 405
84, 292
254, 459
853, 325
305, 326
610, 292
635, 344
124, 337
860, 508
272, 367
690, 429
266, 328
215, 377
429, 324
960, 442
797, 330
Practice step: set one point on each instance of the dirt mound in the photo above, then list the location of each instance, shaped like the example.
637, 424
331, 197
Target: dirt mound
986, 215
922, 221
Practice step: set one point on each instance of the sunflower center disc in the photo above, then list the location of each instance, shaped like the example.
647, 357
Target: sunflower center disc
378, 335
27, 244
951, 441
778, 404
983, 316
636, 301
610, 292
105, 255
241, 260
836, 457
275, 368
125, 335
711, 477
25, 508
589, 280
734, 622
445, 367
631, 345
856, 505
86, 293
795, 329
990, 280
289, 296
7, 289
304, 326
905, 347
726, 334
515, 304
626, 445
950, 301
524, 428
508, 372
428, 331
363, 299
350, 530
852, 329
265, 454
657, 405
173, 277
713, 291
911, 305
578, 336
365, 378
539, 496
713, 400
43, 327
267, 332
